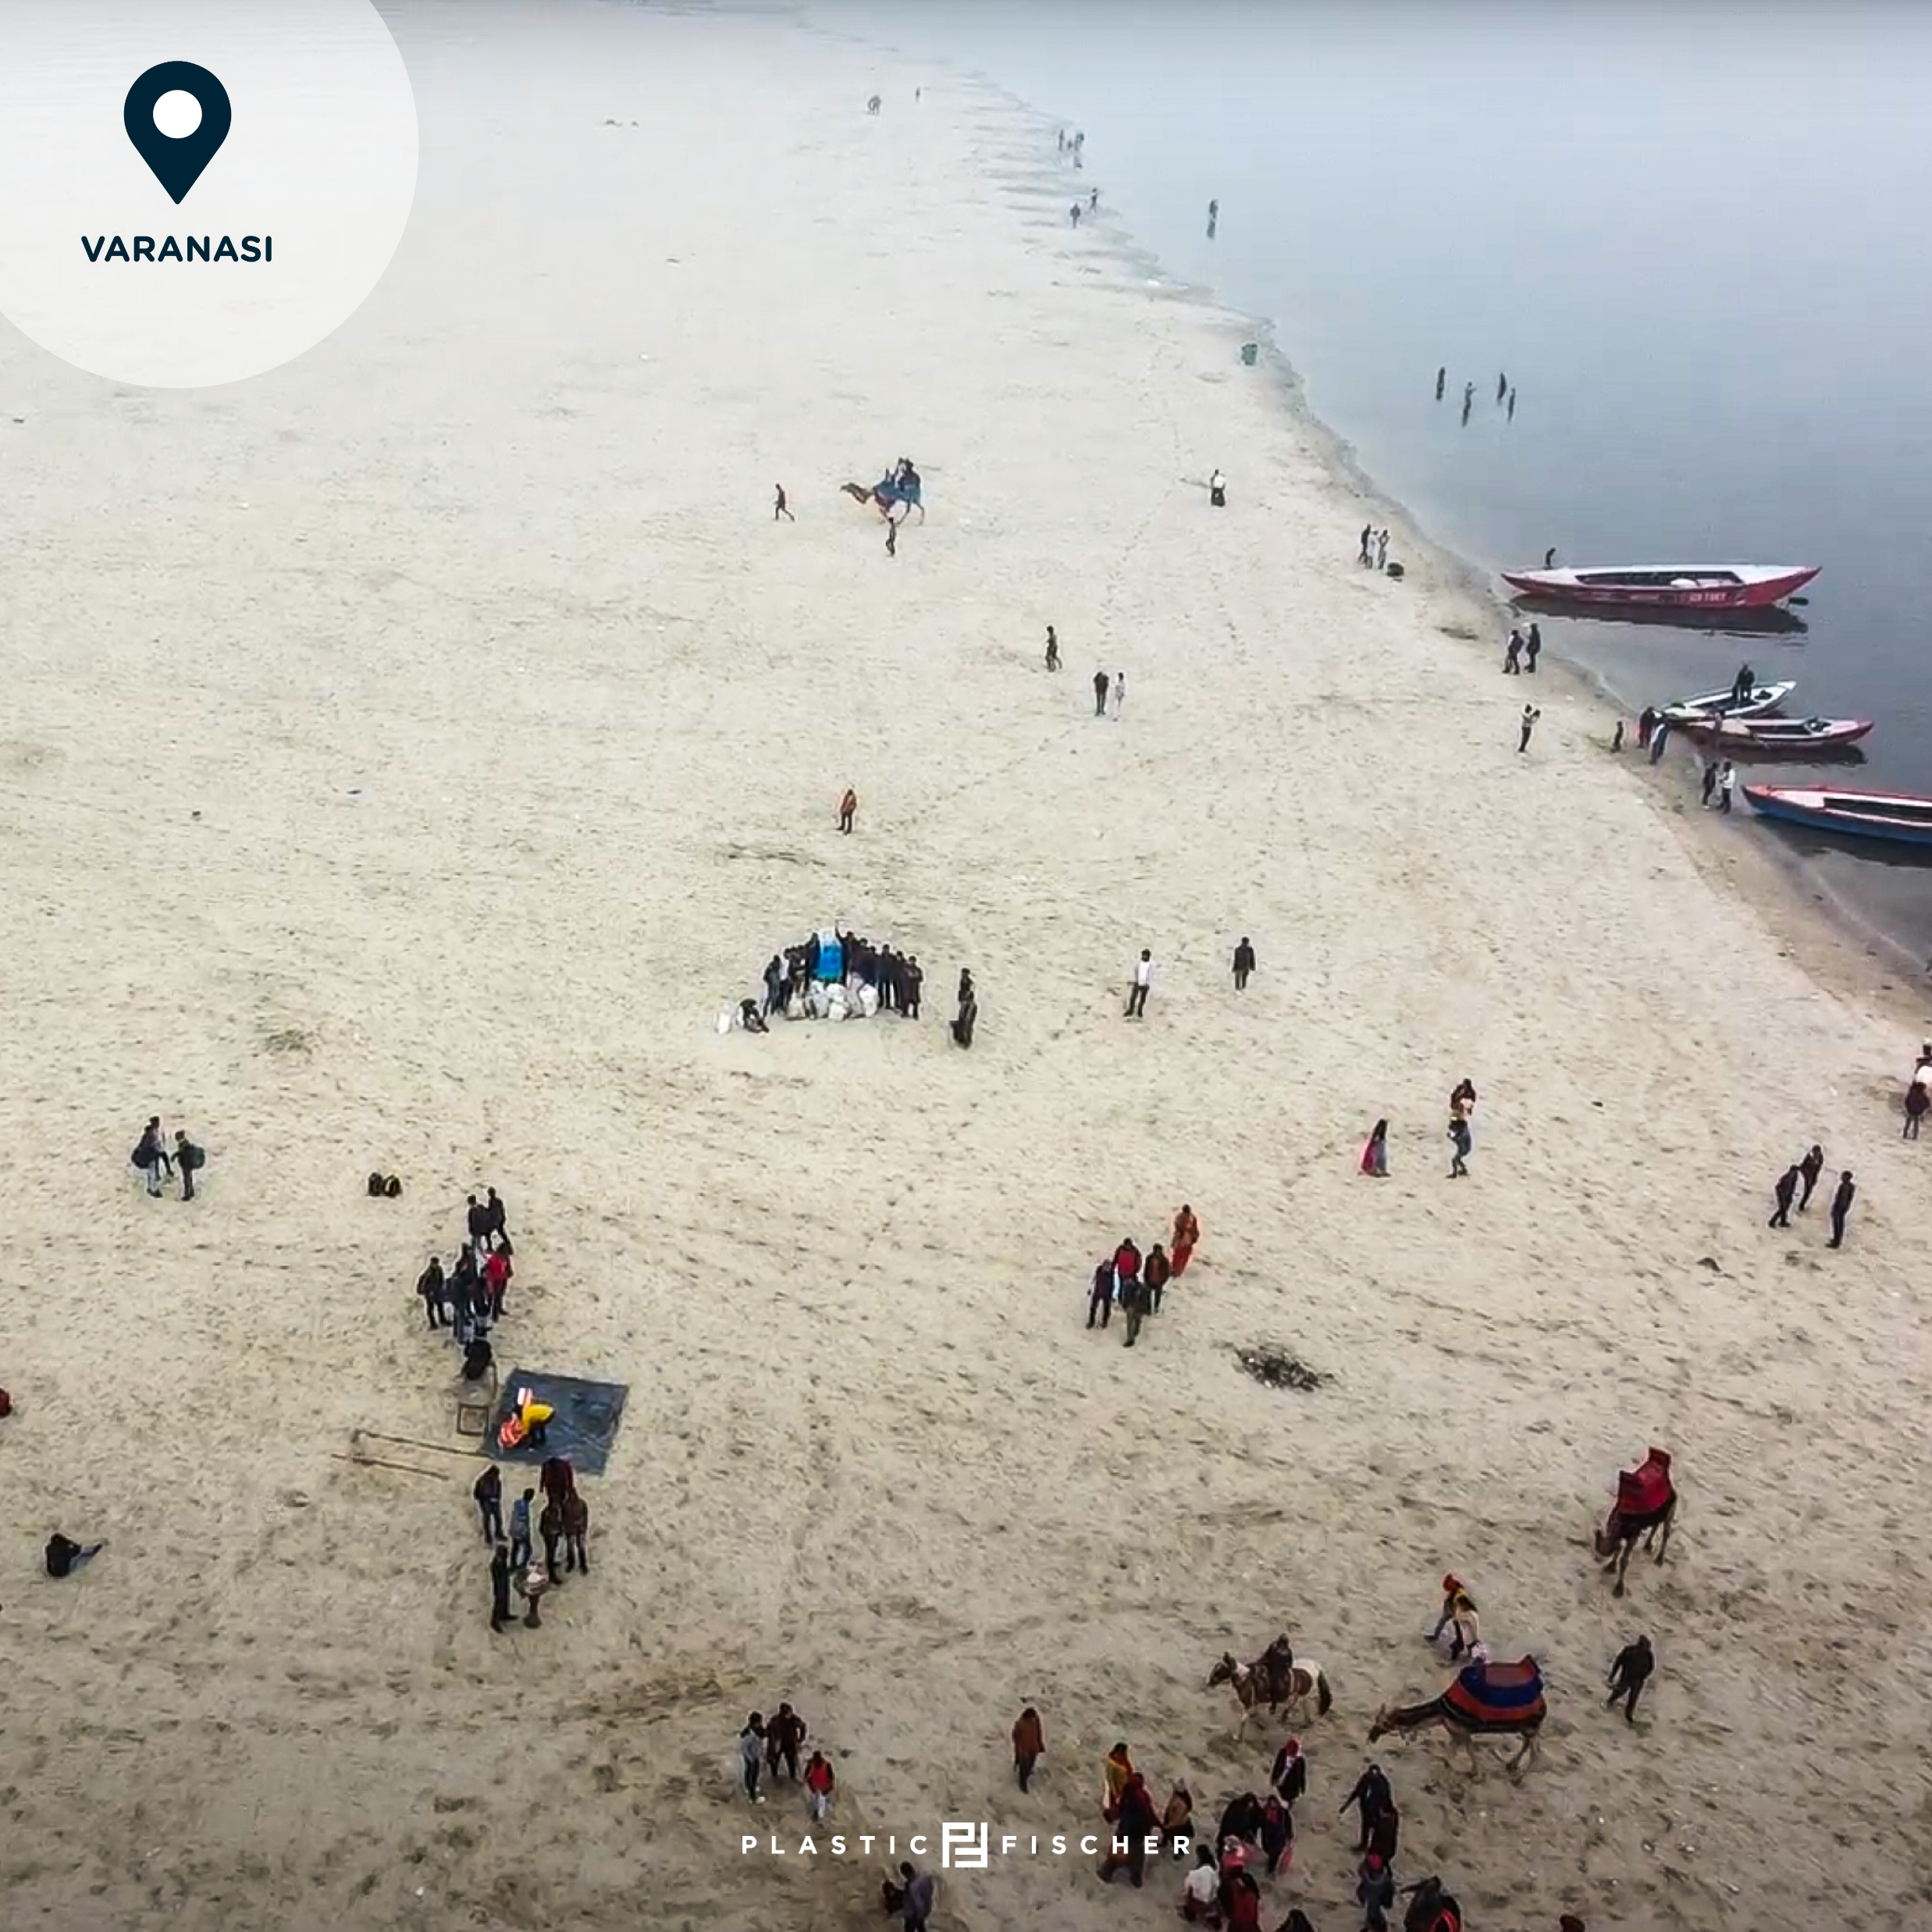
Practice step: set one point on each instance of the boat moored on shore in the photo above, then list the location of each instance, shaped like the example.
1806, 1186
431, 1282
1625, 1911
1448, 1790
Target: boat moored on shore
1903, 817
1756, 703
1746, 737
1668, 586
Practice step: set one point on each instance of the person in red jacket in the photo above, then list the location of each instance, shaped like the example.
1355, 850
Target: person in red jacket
496, 1272
820, 1780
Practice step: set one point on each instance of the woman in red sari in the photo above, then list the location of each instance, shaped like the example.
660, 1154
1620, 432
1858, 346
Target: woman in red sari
1186, 1233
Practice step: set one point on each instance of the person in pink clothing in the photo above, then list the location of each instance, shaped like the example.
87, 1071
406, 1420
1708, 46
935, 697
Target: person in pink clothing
1375, 1151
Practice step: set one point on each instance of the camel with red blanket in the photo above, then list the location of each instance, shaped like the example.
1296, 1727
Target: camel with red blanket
1486, 1699
1646, 1502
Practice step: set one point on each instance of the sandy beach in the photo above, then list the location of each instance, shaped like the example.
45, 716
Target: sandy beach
408, 753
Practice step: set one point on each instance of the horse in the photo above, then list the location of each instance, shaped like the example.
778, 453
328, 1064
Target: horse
1266, 1681
1614, 1542
1512, 1707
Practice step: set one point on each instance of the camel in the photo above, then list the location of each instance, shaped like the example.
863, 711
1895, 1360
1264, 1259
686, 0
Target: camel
1646, 1502
1273, 1679
1466, 1710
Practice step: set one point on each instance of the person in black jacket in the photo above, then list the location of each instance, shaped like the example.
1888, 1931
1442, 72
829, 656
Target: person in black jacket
476, 1219
1629, 1674
1840, 1206
429, 1285
1243, 962
1372, 1793
1786, 1188
189, 1161
1100, 1302
1290, 1775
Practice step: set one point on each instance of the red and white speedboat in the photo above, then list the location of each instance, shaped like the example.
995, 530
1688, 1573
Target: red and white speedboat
1746, 737
1668, 586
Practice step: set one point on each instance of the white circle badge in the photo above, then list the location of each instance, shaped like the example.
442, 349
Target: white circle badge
195, 191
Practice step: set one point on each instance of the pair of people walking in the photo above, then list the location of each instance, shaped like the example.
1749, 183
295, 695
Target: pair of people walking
152, 1156
1109, 693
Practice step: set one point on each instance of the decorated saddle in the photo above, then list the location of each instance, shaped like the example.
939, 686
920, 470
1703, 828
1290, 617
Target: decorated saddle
1646, 1489
1497, 1696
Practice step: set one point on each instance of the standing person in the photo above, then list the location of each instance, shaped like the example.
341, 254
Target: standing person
1809, 1169
1243, 963
1549, 557
1646, 724
1053, 649
499, 1586
1512, 653
1468, 402
1917, 1100
1134, 1299
914, 979
1101, 1301
820, 1781
779, 508
1156, 1272
1114, 1774
1441, 376
1099, 694
1787, 1186
1460, 1145
1710, 779
1743, 684
496, 1219
1278, 1834
576, 1528
1290, 1776
1382, 550
1502, 387
1629, 1674
1187, 1238
476, 1222
1372, 1794
1374, 1160
1029, 1744
189, 1160
1369, 538
1531, 714
1218, 490
1142, 985
487, 1489
1660, 736
921, 1888
784, 1738
1727, 783
774, 985
550, 1528
429, 1285
848, 810
1118, 696
1383, 1840
520, 1530
496, 1272
1533, 647
1074, 214
1093, 201
751, 1754
1375, 1890
151, 1156
1512, 411
1840, 1206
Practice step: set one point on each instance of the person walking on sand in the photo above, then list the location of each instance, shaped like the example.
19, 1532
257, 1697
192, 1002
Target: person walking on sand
1809, 1170
1029, 1744
1134, 1299
499, 1586
1099, 694
1458, 1617
1115, 1773
550, 1528
151, 1156
1917, 1100
1710, 779
1289, 1777
921, 1889
1142, 985
784, 1737
1053, 649
430, 1285
751, 1756
1374, 1892
1117, 695
1629, 1674
487, 1489
1660, 736
1502, 387
1074, 214
520, 1530
820, 1781
1187, 1238
1156, 1270
1375, 1158
848, 810
1459, 1146
1218, 490
1842, 1206
1512, 408
1787, 1186
1531, 714
1368, 537
1468, 402
1243, 963
779, 507
1533, 647
1441, 376
189, 1160
1372, 1794
1512, 653
1100, 1301
1727, 783
1382, 550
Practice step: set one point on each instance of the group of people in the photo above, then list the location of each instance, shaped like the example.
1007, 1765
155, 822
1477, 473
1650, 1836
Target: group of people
1374, 1160
151, 1157
1802, 1174
764, 1744
562, 1522
1127, 1280
1521, 652
1109, 693
1374, 553
469, 1298
1505, 395
872, 978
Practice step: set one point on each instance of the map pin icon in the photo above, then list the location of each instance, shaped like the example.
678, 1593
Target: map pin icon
177, 163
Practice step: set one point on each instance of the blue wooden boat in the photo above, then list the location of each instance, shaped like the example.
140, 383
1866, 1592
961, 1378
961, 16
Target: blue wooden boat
1897, 816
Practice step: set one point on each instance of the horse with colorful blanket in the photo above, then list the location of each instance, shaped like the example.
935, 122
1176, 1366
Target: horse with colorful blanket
1486, 1699
1646, 1502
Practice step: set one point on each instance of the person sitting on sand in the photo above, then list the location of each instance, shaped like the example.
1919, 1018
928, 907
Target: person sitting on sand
64, 1556
752, 1019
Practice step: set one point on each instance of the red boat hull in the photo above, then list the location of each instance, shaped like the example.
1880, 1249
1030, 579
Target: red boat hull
1751, 596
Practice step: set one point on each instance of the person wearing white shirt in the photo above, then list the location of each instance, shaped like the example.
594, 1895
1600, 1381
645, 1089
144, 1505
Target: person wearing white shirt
1117, 693
1142, 985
